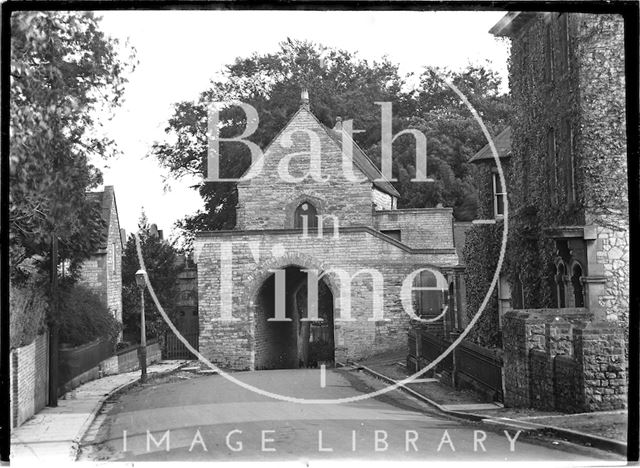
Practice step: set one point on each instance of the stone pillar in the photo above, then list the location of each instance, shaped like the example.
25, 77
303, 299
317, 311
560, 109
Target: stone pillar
599, 349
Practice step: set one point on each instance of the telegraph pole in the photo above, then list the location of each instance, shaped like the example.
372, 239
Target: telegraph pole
53, 331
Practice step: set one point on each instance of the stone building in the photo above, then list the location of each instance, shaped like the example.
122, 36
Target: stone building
102, 272
349, 232
569, 152
491, 197
566, 274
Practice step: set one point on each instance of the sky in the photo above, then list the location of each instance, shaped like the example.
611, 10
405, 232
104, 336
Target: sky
179, 52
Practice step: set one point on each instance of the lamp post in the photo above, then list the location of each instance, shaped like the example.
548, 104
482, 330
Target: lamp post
141, 277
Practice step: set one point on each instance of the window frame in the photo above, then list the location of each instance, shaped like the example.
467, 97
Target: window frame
309, 213
392, 233
495, 181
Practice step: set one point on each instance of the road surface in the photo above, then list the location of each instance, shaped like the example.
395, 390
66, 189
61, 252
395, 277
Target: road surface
200, 418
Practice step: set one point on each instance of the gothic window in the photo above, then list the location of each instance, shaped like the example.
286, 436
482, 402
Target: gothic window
560, 290
576, 282
305, 215
498, 196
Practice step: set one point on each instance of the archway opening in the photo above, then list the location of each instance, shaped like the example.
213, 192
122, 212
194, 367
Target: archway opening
296, 342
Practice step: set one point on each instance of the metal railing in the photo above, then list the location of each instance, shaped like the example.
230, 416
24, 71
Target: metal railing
175, 349
481, 365
468, 361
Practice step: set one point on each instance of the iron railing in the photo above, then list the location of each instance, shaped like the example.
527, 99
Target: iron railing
467, 361
175, 349
481, 365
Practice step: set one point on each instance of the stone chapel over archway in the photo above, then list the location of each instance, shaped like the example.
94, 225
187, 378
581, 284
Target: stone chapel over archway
349, 233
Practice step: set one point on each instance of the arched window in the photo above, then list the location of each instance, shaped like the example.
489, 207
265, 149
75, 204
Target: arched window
560, 292
576, 282
305, 211
430, 302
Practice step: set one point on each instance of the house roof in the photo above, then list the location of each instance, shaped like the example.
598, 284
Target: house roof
502, 143
105, 199
362, 162
360, 159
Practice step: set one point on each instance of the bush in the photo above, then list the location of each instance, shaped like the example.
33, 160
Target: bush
84, 317
123, 345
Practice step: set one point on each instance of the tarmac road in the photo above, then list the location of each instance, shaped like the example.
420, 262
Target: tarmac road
200, 418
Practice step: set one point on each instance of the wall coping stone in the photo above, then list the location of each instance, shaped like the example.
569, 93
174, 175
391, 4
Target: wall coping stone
414, 210
310, 231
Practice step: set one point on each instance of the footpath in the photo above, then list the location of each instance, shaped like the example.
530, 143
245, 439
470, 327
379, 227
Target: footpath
54, 434
606, 430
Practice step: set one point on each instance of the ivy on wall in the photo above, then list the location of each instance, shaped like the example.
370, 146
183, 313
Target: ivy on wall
481, 252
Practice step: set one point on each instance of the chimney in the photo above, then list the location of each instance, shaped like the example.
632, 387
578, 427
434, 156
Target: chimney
304, 98
338, 125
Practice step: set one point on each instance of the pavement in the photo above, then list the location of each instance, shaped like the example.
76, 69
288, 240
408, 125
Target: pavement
54, 434
188, 416
605, 430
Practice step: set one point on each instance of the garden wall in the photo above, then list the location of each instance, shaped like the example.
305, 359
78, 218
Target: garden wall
29, 379
566, 363
125, 360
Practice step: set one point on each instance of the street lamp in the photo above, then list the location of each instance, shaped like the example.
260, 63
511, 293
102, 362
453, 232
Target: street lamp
141, 281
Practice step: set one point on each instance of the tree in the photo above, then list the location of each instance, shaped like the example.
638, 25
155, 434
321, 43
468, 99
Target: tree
163, 268
64, 71
341, 84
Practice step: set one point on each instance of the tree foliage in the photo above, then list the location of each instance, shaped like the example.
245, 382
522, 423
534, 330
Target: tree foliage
28, 305
340, 84
86, 317
64, 71
160, 260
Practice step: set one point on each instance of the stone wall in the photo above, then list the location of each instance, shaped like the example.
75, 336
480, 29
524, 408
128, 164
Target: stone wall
28, 379
612, 252
382, 200
114, 262
257, 252
94, 275
420, 228
124, 361
102, 272
565, 363
600, 351
268, 202
602, 145
582, 104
